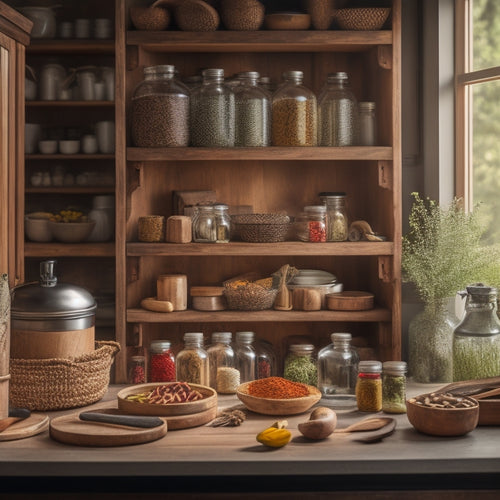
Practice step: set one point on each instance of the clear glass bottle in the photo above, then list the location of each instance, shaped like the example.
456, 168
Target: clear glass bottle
205, 227
476, 339
161, 362
337, 112
266, 359
338, 371
310, 225
245, 356
160, 109
212, 112
300, 364
369, 386
253, 112
294, 113
367, 124
192, 360
224, 377
337, 223
136, 370
222, 223
394, 387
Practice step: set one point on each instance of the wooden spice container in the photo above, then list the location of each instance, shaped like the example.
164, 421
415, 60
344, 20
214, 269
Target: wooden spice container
350, 301
151, 228
208, 298
179, 229
173, 288
306, 299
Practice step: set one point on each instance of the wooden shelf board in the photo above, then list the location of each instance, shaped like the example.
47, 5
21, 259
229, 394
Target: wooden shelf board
37, 156
268, 153
258, 41
41, 46
190, 316
69, 104
71, 190
258, 249
55, 249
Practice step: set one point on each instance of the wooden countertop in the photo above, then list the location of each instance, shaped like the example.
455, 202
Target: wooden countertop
210, 453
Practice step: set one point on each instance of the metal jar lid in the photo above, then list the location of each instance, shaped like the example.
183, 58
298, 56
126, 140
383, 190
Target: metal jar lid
48, 305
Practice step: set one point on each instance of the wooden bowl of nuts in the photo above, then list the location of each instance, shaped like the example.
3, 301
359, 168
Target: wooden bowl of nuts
442, 414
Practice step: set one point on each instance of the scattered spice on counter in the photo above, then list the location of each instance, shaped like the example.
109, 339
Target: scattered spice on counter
179, 392
277, 388
229, 418
228, 380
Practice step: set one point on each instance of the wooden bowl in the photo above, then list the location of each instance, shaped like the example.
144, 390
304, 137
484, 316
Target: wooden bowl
442, 421
242, 15
287, 21
268, 406
133, 407
196, 15
362, 19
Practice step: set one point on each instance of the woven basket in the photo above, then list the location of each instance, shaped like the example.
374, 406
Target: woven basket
58, 384
362, 19
250, 297
242, 15
262, 228
196, 15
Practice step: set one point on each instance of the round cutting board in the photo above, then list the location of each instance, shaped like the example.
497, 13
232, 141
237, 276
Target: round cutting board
349, 301
34, 424
70, 429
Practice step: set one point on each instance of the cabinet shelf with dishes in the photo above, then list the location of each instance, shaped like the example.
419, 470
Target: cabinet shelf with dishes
270, 179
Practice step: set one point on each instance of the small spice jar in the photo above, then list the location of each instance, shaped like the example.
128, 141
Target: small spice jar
367, 124
136, 370
369, 386
394, 387
192, 361
245, 355
222, 223
337, 225
266, 359
310, 225
204, 226
224, 377
300, 364
161, 362
151, 228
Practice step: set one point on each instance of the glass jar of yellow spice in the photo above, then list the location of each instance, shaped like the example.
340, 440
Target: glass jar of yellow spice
369, 386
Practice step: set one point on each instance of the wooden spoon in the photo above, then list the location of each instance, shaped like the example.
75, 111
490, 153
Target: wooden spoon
283, 301
369, 424
372, 437
15, 415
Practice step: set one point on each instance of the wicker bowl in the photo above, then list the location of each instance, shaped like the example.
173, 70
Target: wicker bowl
362, 19
262, 228
249, 296
196, 15
152, 18
288, 21
242, 15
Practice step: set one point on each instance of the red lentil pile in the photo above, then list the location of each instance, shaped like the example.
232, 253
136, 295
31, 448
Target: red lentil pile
277, 388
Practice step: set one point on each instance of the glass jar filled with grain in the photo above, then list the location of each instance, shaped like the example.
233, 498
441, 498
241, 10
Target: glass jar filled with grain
337, 112
160, 109
253, 112
191, 362
224, 377
222, 223
212, 112
300, 364
337, 224
369, 386
294, 113
204, 226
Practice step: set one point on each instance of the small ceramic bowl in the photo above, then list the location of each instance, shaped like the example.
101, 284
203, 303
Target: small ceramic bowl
69, 147
442, 421
48, 147
71, 232
37, 228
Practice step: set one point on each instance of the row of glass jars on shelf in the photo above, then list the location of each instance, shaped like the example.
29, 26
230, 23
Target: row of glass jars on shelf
166, 113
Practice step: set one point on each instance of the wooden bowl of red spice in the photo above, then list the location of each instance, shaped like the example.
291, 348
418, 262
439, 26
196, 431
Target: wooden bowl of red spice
277, 396
151, 399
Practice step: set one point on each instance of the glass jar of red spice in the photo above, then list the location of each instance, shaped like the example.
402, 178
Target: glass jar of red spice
369, 386
266, 359
310, 225
161, 362
136, 370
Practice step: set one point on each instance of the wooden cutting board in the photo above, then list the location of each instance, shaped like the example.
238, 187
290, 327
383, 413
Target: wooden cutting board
70, 429
28, 427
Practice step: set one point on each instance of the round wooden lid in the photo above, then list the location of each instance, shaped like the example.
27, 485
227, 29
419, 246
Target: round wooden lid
352, 300
206, 291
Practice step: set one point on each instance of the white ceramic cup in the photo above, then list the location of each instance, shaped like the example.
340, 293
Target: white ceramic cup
82, 28
100, 91
89, 144
66, 29
106, 136
102, 28
32, 132
86, 85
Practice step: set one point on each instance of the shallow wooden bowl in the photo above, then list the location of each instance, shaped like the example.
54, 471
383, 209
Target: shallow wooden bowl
268, 406
287, 21
133, 407
442, 421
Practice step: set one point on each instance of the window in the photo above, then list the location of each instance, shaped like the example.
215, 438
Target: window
478, 107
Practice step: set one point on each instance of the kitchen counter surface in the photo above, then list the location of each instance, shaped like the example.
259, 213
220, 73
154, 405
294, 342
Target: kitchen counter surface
208, 453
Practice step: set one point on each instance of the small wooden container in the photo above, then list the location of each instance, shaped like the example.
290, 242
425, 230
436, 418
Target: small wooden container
208, 298
179, 229
350, 301
173, 288
306, 299
151, 228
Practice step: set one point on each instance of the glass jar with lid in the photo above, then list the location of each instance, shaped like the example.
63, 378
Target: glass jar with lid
161, 362
222, 223
300, 364
224, 377
294, 113
245, 356
369, 386
337, 112
212, 111
338, 371
394, 387
266, 359
204, 226
310, 225
476, 339
192, 360
136, 369
337, 224
367, 124
160, 109
253, 112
